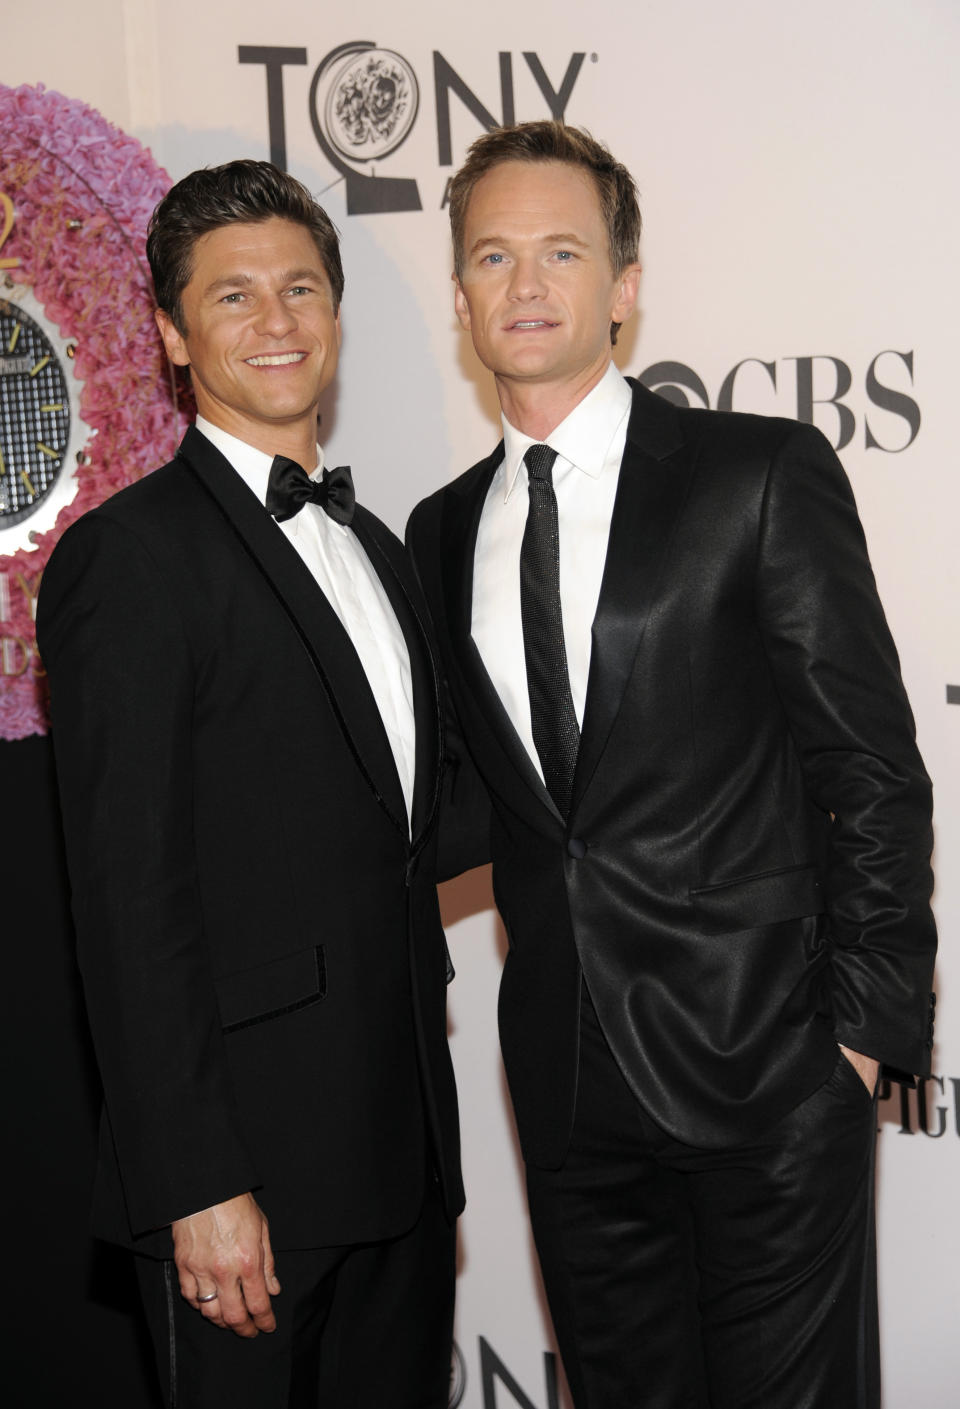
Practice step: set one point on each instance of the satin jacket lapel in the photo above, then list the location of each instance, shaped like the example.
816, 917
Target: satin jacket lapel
320, 630
463, 505
394, 572
655, 476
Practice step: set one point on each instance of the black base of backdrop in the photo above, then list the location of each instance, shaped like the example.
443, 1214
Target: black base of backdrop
73, 1325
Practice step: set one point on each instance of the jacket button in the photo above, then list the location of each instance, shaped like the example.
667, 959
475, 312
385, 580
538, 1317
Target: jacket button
577, 848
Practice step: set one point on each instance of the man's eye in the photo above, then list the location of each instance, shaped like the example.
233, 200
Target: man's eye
564, 255
300, 289
493, 259
232, 298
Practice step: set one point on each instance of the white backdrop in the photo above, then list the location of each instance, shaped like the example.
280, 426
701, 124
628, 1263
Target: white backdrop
798, 183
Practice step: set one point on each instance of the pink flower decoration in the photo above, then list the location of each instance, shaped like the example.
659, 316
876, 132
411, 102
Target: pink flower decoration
83, 192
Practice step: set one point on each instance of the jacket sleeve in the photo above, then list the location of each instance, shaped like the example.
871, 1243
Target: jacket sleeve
122, 700
464, 829
838, 676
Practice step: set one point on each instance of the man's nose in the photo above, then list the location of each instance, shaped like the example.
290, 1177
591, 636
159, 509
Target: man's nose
527, 280
275, 316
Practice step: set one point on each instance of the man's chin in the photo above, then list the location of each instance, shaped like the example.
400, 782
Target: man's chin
277, 412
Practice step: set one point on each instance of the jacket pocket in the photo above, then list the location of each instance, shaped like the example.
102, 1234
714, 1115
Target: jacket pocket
272, 990
766, 899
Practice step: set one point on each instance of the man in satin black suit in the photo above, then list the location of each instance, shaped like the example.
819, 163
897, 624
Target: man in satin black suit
710, 826
247, 731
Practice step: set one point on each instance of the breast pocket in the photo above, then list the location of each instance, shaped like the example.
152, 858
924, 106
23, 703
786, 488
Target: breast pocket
272, 990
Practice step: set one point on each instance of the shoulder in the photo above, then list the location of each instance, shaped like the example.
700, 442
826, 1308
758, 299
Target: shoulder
139, 507
740, 467
741, 451
160, 530
739, 434
122, 516
428, 515
106, 566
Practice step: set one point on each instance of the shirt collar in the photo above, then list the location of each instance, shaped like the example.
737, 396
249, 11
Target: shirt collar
252, 465
583, 438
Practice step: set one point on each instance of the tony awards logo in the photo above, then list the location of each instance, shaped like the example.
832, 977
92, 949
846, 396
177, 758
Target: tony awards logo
364, 101
363, 104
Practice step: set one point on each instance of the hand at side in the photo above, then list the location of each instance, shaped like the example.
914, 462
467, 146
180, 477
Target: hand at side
226, 1249
867, 1068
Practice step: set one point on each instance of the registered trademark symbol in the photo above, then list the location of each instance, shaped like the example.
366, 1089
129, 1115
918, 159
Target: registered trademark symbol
593, 58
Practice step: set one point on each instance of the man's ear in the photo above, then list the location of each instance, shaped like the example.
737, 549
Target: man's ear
172, 340
628, 289
460, 303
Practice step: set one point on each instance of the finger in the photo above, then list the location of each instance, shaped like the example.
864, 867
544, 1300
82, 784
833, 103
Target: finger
257, 1300
269, 1266
200, 1292
202, 1299
210, 1311
234, 1314
190, 1289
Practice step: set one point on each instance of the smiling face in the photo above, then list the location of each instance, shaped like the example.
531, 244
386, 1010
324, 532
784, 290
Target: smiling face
537, 291
262, 335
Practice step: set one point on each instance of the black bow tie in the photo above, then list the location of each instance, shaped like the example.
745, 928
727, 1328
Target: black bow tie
289, 488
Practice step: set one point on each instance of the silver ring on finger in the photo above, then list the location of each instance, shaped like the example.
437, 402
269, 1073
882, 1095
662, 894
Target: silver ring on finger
210, 1296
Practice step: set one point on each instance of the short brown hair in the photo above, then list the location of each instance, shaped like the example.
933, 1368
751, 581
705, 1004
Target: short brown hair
545, 141
237, 192
553, 141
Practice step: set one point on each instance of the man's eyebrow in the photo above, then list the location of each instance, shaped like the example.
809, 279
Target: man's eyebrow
229, 281
245, 281
561, 237
565, 237
307, 271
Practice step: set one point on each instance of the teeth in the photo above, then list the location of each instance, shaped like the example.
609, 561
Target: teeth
534, 323
277, 359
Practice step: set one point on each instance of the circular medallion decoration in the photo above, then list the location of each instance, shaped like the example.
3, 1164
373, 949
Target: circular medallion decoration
41, 431
371, 104
86, 401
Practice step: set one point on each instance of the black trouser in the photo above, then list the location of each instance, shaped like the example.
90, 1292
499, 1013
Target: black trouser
742, 1278
358, 1327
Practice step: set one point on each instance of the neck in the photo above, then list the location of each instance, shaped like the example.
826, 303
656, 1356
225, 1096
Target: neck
301, 448
297, 439
536, 408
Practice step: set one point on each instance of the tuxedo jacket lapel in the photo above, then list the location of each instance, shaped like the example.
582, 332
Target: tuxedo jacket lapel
321, 632
392, 567
461, 519
654, 479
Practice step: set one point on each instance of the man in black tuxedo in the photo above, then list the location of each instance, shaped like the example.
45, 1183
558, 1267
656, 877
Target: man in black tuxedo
710, 825
247, 731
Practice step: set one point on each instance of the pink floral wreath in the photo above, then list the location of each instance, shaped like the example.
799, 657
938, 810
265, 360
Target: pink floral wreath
83, 192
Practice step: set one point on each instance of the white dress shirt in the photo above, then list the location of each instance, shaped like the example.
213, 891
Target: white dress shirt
589, 446
347, 578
